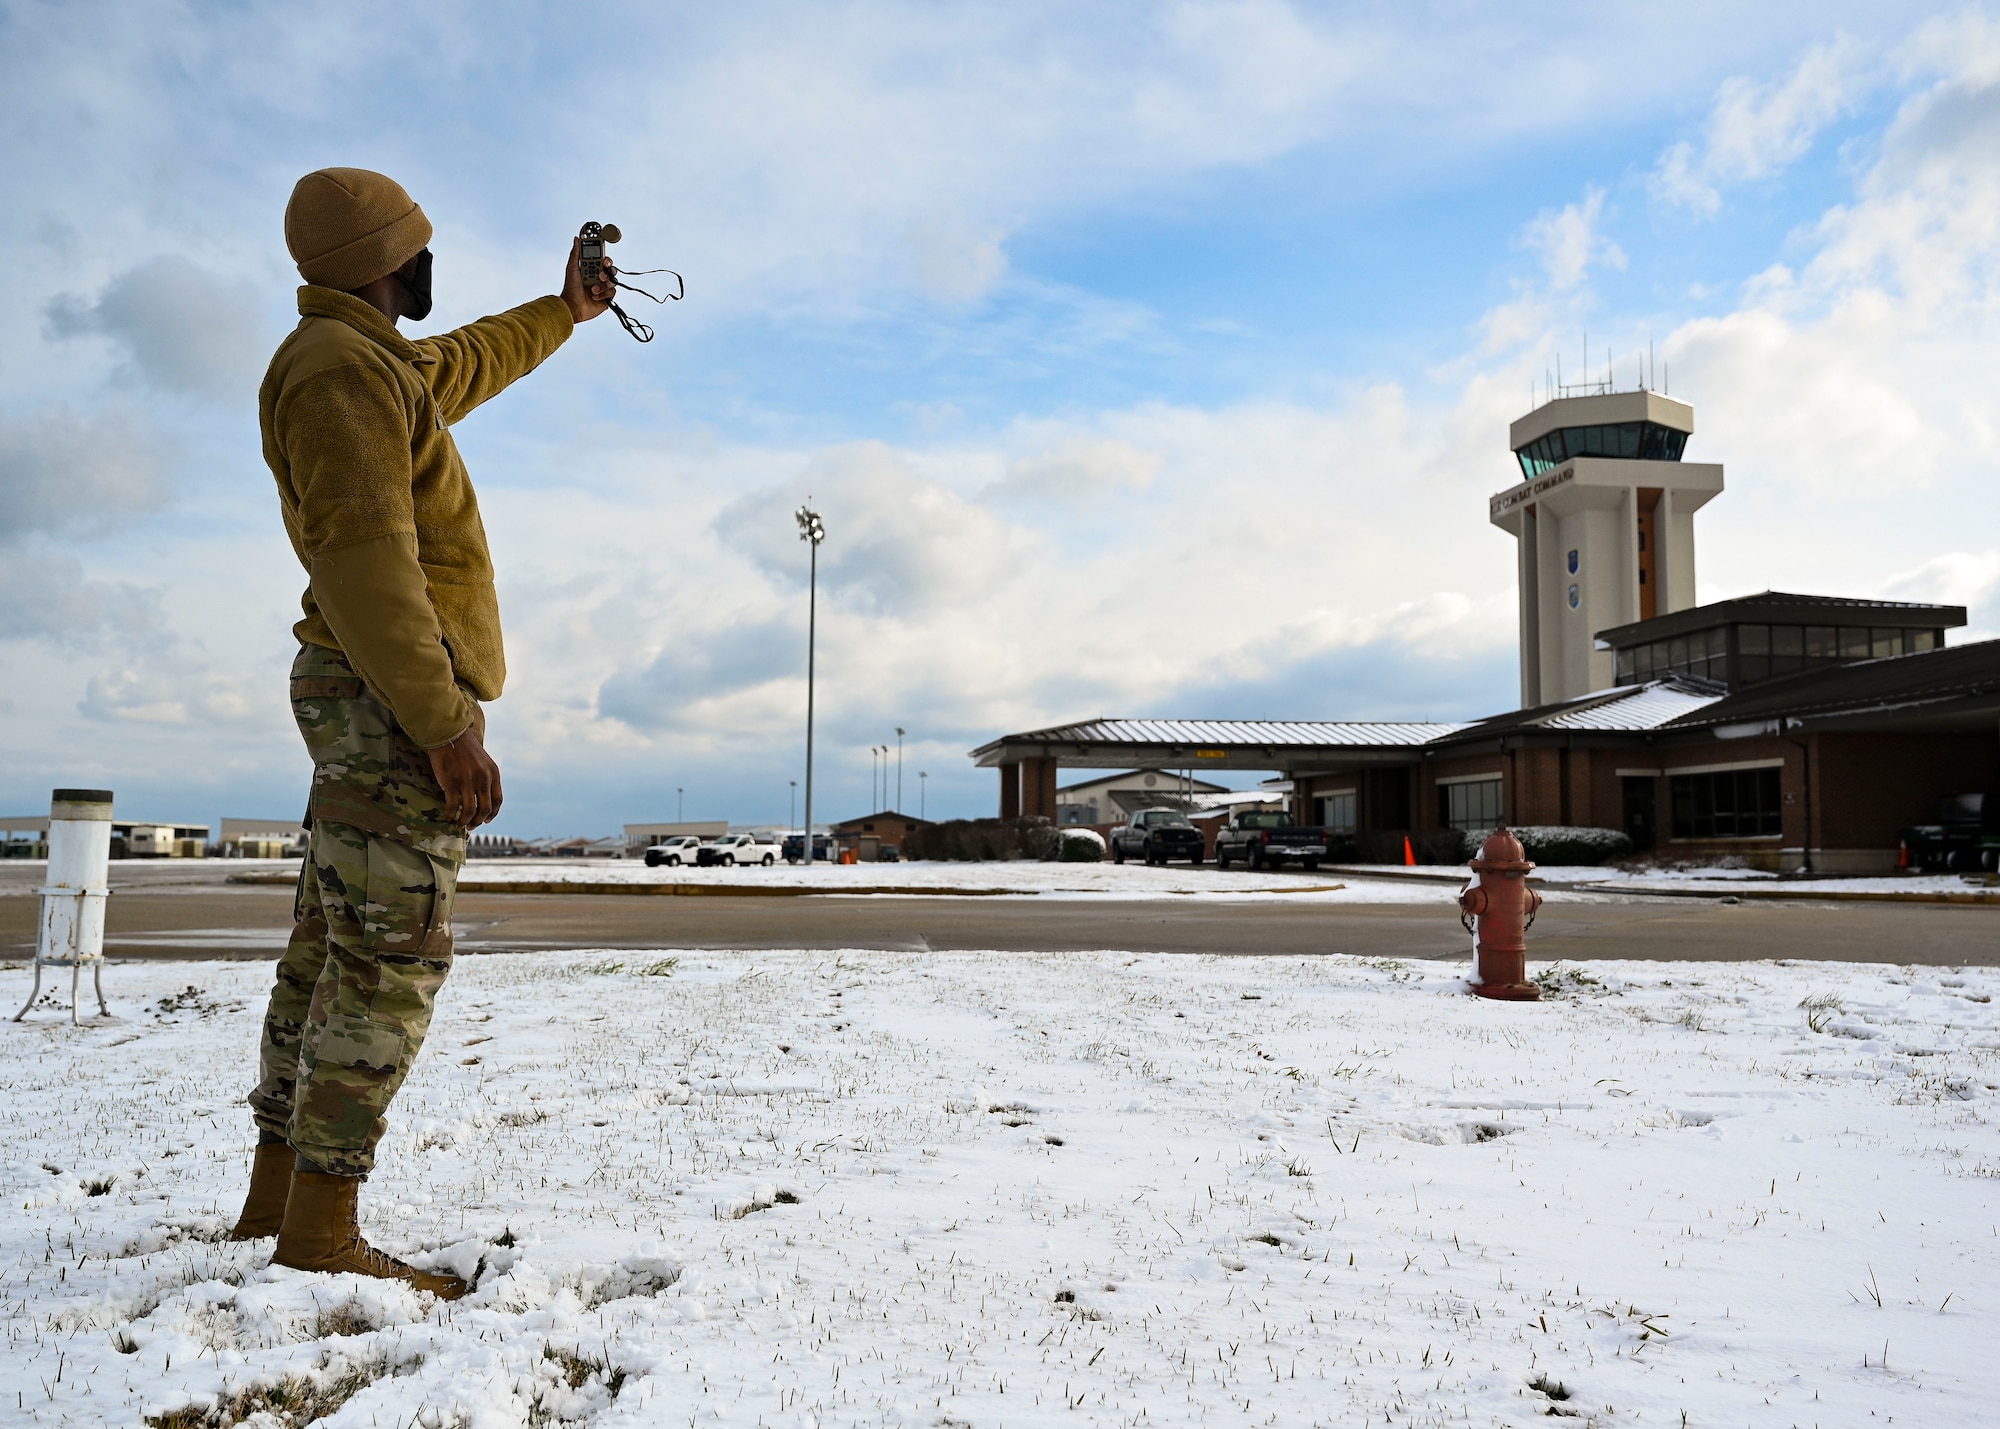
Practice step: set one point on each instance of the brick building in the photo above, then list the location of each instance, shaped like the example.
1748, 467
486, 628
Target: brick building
871, 833
1791, 730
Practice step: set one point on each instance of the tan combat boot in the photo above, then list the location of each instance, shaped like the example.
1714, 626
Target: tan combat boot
270, 1185
320, 1233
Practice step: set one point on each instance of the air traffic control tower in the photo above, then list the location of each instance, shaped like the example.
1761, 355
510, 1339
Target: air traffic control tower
1604, 518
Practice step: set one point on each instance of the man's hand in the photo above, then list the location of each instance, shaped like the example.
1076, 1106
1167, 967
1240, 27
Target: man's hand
586, 303
470, 779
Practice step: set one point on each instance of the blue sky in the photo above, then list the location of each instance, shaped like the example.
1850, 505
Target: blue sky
1145, 360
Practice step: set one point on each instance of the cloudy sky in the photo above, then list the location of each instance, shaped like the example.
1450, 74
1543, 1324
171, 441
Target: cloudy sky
1143, 359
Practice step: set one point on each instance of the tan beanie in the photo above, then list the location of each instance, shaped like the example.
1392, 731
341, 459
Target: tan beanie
347, 227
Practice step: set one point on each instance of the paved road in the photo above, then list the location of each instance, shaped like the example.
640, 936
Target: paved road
163, 910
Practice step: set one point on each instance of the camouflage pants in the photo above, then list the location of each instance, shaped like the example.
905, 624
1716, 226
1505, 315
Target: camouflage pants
371, 943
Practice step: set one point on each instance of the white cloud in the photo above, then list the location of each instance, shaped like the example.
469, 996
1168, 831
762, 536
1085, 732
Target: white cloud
956, 262
1755, 130
46, 595
807, 166
66, 473
185, 330
164, 687
1079, 471
1970, 578
1569, 243
1849, 395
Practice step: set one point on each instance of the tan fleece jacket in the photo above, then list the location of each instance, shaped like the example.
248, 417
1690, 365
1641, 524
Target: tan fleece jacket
355, 420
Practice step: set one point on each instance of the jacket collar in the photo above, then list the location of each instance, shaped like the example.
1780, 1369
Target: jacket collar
318, 302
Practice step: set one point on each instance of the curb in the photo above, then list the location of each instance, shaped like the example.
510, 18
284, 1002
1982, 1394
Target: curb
1786, 895
1758, 893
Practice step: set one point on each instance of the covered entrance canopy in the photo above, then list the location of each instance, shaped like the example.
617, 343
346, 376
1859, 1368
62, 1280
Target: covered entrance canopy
1028, 761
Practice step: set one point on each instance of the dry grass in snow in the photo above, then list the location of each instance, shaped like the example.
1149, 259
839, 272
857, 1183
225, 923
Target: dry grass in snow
790, 1189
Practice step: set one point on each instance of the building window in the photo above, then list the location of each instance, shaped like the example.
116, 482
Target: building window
1337, 812
1471, 805
1640, 441
1729, 804
1764, 652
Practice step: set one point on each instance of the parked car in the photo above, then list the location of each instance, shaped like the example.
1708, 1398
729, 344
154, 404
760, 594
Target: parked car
730, 849
794, 848
1265, 836
888, 853
1158, 836
673, 852
1965, 838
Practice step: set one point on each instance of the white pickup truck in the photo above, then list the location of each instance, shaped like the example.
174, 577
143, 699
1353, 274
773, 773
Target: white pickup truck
730, 849
673, 852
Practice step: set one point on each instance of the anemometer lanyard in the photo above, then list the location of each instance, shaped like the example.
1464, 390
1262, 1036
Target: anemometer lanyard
639, 330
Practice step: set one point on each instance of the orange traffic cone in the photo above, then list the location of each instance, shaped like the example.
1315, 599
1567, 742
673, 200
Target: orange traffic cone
1409, 854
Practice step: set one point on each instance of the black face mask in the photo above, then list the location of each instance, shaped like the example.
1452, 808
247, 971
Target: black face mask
415, 276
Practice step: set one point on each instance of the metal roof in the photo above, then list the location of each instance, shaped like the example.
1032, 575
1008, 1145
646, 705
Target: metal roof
1638, 707
1627, 708
1240, 731
1785, 607
1255, 734
1961, 683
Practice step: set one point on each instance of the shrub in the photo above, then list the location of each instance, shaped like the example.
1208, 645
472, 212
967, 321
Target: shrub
1078, 846
1560, 845
981, 840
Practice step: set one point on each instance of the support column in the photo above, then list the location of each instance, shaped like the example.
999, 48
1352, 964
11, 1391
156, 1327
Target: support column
1010, 791
1529, 563
1038, 788
1666, 560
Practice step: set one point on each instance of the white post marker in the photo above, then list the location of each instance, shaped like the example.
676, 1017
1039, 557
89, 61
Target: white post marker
71, 932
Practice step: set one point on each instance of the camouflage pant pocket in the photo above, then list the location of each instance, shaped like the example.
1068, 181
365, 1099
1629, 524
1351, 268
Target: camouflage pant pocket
360, 1042
408, 904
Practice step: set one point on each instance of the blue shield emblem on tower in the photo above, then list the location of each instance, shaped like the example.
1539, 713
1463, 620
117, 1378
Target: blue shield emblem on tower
1573, 601
1573, 562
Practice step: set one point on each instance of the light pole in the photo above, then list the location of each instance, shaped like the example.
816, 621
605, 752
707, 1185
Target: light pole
795, 804
680, 805
812, 531
923, 788
899, 769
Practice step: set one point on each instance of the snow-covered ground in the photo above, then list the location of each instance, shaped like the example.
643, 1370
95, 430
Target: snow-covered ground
1023, 876
992, 1189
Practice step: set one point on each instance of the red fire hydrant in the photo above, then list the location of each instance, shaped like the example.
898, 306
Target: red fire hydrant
1498, 908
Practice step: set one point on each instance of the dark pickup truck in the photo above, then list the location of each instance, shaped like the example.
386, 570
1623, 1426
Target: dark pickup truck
793, 848
1157, 835
1265, 836
1965, 838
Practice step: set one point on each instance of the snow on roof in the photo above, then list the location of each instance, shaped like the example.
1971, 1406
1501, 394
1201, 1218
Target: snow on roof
1639, 707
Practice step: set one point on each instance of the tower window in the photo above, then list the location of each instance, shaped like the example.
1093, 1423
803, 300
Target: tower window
1625, 441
